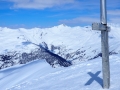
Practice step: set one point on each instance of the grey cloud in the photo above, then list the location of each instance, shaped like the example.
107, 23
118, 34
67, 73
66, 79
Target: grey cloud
79, 20
114, 20
42, 4
39, 4
114, 12
114, 16
79, 4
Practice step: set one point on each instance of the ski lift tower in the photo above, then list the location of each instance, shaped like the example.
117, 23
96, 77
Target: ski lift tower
102, 26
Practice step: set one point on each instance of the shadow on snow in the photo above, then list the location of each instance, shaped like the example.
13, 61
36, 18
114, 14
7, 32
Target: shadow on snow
94, 77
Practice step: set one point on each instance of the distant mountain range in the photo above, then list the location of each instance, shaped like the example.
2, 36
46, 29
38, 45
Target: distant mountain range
74, 44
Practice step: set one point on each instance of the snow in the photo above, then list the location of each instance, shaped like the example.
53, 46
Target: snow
39, 75
47, 35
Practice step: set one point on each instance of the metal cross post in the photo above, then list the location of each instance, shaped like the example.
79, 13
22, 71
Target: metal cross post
104, 43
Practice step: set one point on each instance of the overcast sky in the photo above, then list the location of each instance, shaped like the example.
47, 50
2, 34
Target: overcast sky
48, 13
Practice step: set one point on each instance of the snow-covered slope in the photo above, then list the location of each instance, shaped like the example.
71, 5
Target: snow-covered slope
38, 75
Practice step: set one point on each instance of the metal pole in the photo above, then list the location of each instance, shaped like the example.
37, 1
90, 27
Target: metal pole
105, 47
103, 12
